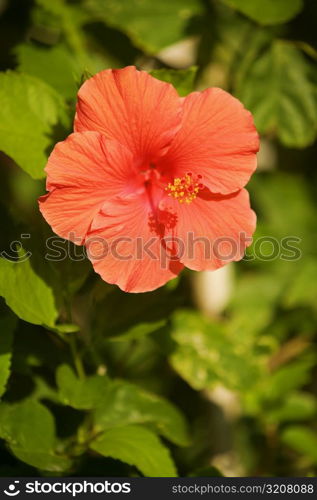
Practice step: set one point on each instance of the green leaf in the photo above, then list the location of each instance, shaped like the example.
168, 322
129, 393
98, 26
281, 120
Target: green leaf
268, 11
65, 20
150, 25
289, 377
65, 328
285, 208
43, 390
124, 403
209, 471
80, 394
26, 293
251, 312
278, 89
303, 287
136, 446
7, 326
302, 440
29, 110
183, 79
54, 66
297, 406
29, 430
139, 331
207, 355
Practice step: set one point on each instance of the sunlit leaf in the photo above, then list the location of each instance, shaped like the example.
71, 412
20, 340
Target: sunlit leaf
29, 110
206, 355
136, 446
54, 66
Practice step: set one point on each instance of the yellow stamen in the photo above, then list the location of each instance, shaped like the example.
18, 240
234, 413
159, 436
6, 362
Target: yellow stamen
184, 189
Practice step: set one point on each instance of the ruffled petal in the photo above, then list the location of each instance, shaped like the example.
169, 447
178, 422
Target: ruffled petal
131, 107
82, 173
125, 246
217, 140
213, 230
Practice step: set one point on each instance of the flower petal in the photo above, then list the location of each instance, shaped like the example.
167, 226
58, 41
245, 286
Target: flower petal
213, 230
217, 140
131, 107
125, 247
82, 172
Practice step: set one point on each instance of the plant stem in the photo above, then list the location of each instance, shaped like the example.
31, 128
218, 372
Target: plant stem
76, 356
73, 344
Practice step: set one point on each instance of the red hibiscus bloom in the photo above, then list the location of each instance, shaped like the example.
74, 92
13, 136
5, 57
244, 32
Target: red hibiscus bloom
151, 182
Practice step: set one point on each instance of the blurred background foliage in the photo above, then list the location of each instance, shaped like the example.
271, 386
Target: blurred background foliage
215, 373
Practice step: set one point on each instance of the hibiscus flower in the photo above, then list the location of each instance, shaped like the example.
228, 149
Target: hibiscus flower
151, 182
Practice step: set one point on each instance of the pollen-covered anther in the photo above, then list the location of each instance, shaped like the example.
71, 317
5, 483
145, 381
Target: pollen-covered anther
185, 189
